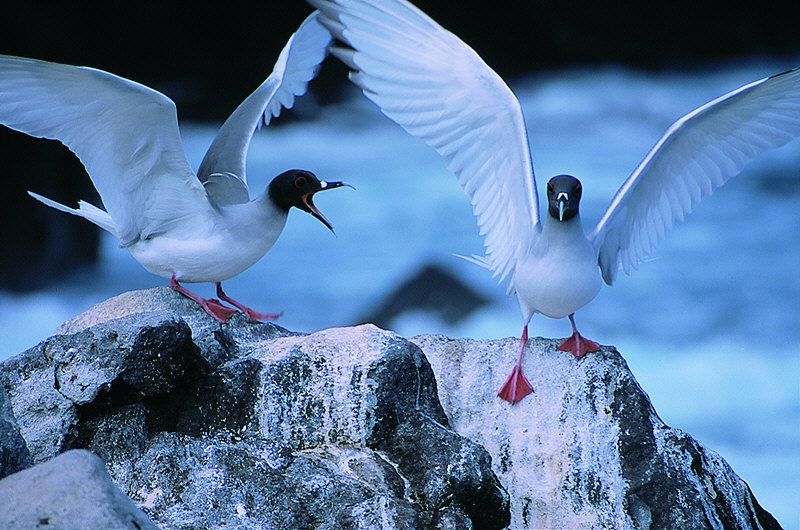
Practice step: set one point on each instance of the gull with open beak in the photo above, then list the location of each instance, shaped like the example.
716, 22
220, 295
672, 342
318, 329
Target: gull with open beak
180, 225
437, 88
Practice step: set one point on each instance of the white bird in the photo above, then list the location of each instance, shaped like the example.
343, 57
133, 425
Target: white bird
437, 88
179, 225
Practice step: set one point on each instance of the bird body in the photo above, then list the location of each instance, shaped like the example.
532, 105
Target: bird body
178, 224
222, 242
559, 275
437, 88
226, 243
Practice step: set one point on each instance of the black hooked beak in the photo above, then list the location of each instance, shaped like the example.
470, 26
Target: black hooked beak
308, 200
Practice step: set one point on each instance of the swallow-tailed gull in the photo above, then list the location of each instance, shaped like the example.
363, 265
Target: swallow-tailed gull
179, 225
437, 88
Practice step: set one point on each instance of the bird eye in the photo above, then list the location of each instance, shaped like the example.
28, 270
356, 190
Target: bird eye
550, 187
299, 182
578, 190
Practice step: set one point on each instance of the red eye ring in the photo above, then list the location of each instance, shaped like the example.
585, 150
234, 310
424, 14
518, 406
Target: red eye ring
300, 182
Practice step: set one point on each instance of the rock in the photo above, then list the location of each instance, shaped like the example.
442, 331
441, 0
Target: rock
14, 454
71, 491
249, 425
252, 426
586, 449
64, 380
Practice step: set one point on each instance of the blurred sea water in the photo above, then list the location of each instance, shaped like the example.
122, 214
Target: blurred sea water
709, 325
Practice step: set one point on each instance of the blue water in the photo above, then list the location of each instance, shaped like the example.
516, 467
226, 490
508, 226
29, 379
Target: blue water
709, 326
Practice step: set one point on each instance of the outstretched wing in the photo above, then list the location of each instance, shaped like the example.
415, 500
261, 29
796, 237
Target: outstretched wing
125, 134
437, 88
223, 168
699, 153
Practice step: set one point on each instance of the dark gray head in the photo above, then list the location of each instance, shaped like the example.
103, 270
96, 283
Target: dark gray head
563, 196
297, 187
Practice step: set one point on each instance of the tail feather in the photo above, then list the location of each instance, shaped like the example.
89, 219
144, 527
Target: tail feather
483, 261
480, 261
88, 211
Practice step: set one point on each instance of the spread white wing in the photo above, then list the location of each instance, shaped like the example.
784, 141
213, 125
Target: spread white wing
223, 168
125, 134
699, 153
437, 88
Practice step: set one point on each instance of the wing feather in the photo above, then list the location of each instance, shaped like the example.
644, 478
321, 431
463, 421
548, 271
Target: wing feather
125, 134
698, 154
223, 168
437, 88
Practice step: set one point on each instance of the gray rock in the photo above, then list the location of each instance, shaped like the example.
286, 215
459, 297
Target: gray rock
59, 381
249, 425
14, 454
252, 426
71, 491
223, 482
586, 449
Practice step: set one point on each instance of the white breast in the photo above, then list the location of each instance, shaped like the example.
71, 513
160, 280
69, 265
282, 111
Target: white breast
560, 273
221, 248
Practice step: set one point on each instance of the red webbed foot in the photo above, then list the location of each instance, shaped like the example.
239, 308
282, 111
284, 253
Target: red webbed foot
516, 386
252, 316
255, 316
578, 346
219, 312
213, 307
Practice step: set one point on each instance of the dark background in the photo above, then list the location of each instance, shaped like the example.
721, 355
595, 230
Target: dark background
208, 59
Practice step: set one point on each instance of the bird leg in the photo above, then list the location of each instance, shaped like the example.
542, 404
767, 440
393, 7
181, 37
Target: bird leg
517, 386
252, 316
213, 307
576, 344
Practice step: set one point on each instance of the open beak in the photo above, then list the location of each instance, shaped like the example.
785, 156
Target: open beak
308, 200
